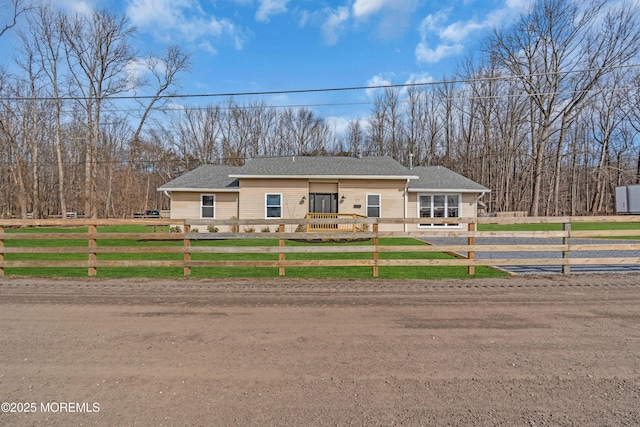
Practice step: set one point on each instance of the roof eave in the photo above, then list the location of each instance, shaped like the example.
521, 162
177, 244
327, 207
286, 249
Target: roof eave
403, 177
449, 190
201, 190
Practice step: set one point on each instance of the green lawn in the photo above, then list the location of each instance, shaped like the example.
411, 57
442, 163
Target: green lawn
429, 272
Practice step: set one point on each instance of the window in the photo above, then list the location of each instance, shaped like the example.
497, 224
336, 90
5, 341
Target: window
274, 205
373, 205
439, 206
207, 206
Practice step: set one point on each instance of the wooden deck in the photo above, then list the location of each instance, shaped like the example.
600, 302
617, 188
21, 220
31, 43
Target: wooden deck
335, 227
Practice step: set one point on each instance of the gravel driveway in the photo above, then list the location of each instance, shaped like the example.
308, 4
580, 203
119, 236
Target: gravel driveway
546, 269
561, 350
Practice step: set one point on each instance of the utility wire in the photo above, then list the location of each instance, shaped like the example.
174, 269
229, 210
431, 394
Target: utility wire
322, 90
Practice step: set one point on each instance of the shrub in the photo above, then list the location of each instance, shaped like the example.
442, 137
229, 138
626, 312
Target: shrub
266, 230
234, 228
249, 230
212, 228
364, 227
175, 229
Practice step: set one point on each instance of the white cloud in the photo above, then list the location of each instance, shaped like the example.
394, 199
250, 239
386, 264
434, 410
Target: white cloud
175, 106
507, 14
181, 20
425, 54
420, 78
268, 8
81, 7
459, 31
433, 22
390, 18
393, 15
374, 84
334, 25
338, 124
137, 68
363, 8
368, 7
449, 37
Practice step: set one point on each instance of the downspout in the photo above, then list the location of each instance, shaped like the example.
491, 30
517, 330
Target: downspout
476, 204
406, 204
406, 194
168, 194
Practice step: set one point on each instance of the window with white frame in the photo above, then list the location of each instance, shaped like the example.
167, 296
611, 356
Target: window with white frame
373, 205
274, 205
439, 206
207, 206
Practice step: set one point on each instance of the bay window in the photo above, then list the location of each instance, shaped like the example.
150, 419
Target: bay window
439, 206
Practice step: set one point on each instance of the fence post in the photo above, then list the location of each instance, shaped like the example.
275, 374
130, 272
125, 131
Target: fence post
471, 269
281, 254
93, 242
187, 254
375, 250
1, 253
566, 268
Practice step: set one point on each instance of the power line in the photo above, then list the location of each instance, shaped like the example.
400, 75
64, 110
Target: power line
345, 104
323, 90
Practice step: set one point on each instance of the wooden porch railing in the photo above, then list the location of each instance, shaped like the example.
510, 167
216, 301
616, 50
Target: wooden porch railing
334, 226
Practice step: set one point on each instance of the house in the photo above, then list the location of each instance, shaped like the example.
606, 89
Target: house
292, 187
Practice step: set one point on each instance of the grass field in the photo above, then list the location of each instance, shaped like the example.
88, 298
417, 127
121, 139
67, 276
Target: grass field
433, 272
427, 272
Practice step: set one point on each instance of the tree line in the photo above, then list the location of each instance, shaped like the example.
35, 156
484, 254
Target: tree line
547, 116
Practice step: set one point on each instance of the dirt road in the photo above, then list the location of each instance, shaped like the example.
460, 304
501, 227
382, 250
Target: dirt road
550, 350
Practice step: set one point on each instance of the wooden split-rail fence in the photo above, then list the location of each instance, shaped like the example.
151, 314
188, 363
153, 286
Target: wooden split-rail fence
19, 246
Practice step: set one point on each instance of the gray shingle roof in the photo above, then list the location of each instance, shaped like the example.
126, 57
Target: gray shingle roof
207, 177
226, 178
298, 166
440, 178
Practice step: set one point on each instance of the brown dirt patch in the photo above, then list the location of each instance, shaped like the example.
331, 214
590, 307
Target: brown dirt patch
555, 350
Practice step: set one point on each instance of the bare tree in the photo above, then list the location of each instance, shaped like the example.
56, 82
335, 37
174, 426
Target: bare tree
44, 38
98, 51
12, 9
12, 139
198, 133
355, 136
162, 83
558, 52
308, 133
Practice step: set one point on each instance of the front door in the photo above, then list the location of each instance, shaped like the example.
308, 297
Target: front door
323, 202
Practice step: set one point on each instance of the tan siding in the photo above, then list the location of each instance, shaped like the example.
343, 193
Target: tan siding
391, 198
186, 205
226, 205
323, 187
250, 202
253, 197
355, 192
469, 205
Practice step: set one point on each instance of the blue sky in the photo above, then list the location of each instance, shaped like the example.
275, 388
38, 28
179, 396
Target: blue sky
270, 45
